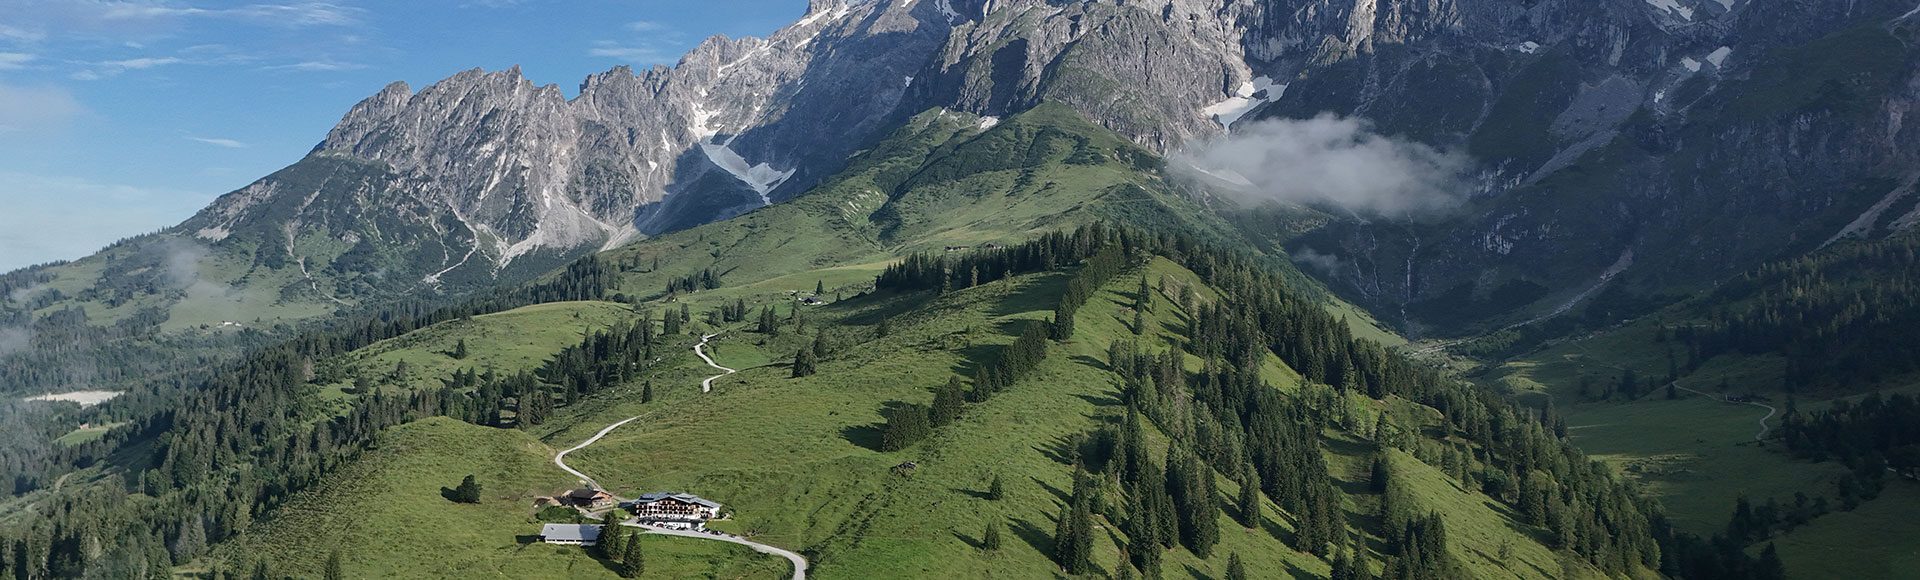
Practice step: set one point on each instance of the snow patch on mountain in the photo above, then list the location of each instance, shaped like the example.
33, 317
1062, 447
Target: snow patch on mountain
1249, 95
763, 178
1719, 55
1673, 7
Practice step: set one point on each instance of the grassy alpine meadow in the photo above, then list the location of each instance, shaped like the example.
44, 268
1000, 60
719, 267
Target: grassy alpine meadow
386, 516
511, 341
798, 460
1698, 455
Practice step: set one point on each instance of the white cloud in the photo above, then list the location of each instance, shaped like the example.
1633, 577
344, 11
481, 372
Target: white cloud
292, 15
633, 54
645, 26
142, 63
14, 60
106, 69
31, 108
218, 142
1330, 160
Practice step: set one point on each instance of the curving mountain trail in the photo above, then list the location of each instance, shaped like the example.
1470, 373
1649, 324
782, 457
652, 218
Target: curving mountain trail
561, 458
1764, 427
799, 562
706, 386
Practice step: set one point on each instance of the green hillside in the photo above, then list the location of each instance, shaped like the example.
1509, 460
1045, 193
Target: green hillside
1798, 337
384, 511
1124, 385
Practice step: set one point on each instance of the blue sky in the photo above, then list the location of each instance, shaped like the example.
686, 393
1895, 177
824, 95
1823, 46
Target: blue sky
123, 117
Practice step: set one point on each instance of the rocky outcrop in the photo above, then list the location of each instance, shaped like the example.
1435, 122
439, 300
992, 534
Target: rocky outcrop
1596, 124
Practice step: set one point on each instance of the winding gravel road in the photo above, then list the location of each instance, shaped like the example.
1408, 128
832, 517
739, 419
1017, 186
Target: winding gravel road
799, 562
561, 459
706, 386
1762, 435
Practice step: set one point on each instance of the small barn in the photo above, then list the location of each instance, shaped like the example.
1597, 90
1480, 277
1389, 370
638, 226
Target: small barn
590, 498
570, 534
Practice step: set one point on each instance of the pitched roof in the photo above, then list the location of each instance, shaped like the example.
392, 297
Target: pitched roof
690, 498
570, 532
648, 498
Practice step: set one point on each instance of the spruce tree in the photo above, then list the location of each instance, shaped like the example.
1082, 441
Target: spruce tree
646, 392
1249, 504
460, 349
1236, 570
947, 402
633, 559
804, 363
819, 287
336, 570
990, 540
609, 536
997, 490
906, 424
468, 492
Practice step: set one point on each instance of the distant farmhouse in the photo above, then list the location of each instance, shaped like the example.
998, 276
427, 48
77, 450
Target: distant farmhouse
570, 534
673, 510
590, 498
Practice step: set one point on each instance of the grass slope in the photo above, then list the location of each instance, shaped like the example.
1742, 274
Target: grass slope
386, 516
796, 458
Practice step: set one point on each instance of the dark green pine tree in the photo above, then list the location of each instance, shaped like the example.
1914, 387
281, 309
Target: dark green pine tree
646, 392
990, 540
468, 492
1769, 566
633, 559
997, 490
1073, 535
1342, 567
609, 543
1377, 481
906, 425
1236, 570
1143, 297
819, 287
460, 349
1249, 502
1139, 322
1063, 322
804, 363
336, 570
947, 402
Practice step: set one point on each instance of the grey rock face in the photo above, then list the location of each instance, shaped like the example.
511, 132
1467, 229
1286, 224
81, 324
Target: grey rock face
740, 123
1535, 90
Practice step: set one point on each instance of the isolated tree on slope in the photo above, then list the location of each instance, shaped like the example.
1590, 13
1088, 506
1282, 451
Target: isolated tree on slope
468, 492
335, 569
804, 363
633, 560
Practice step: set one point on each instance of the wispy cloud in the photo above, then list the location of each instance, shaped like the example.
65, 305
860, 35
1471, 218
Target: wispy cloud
218, 142
645, 26
637, 54
34, 108
298, 14
14, 60
318, 66
105, 69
